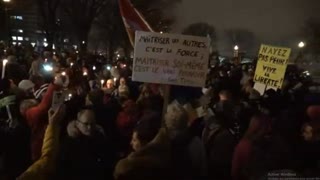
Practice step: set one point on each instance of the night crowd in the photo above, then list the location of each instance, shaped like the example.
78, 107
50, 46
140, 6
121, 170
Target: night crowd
110, 127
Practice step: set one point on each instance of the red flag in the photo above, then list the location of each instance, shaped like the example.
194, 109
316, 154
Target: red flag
132, 19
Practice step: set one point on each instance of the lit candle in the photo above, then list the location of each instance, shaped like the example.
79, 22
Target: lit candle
85, 73
94, 68
71, 64
102, 82
4, 63
63, 73
114, 79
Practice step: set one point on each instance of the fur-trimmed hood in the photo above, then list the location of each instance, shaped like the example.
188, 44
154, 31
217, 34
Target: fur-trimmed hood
74, 132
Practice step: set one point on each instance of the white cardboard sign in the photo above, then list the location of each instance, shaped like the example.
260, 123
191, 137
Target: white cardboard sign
170, 59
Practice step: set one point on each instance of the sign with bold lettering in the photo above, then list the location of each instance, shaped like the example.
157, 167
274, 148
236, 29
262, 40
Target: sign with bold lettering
272, 65
170, 59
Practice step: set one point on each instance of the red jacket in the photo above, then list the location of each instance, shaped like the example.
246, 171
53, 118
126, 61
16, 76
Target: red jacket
241, 159
127, 118
37, 119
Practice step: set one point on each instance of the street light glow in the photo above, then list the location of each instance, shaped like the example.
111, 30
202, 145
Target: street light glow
236, 48
301, 44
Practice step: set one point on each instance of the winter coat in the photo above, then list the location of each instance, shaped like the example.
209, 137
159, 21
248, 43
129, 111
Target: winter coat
82, 157
241, 159
259, 153
43, 168
150, 162
220, 143
127, 118
36, 118
188, 156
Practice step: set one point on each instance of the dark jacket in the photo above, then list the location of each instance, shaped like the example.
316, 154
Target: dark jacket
83, 157
150, 162
219, 143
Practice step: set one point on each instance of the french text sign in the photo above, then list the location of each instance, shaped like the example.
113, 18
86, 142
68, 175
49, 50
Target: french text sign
272, 65
170, 59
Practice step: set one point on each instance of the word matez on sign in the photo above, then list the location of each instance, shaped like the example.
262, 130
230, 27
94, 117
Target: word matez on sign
170, 59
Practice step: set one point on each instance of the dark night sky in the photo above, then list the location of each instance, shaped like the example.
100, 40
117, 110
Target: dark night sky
273, 21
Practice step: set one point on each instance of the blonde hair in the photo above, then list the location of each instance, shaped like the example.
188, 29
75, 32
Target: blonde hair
176, 117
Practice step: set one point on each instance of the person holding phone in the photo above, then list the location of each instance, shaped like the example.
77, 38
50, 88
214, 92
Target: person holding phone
35, 116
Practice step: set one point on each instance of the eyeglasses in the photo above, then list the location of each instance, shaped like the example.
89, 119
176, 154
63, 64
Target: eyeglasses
87, 124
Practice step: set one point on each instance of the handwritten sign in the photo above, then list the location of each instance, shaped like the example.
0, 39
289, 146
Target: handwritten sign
272, 65
170, 59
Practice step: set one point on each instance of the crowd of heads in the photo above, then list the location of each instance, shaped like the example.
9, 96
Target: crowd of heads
112, 127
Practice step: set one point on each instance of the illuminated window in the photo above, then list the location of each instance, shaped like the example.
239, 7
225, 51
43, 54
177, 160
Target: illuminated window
14, 43
20, 30
17, 17
20, 38
14, 38
26, 39
66, 40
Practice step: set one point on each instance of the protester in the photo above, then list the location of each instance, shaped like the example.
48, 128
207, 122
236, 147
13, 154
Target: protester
188, 153
44, 168
152, 157
244, 154
227, 131
308, 151
34, 113
86, 152
123, 89
27, 86
220, 140
36, 66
